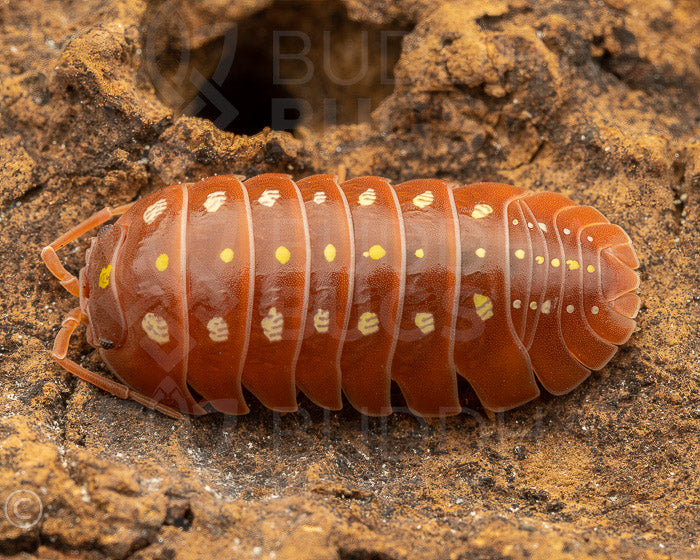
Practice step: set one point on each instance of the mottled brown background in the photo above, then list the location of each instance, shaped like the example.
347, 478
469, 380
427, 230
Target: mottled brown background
596, 99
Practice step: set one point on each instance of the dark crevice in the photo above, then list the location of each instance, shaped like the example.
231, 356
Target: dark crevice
290, 65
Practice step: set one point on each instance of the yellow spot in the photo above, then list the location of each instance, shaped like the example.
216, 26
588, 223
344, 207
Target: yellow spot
556, 263
322, 321
282, 254
272, 325
533, 305
484, 307
481, 211
368, 323
329, 252
375, 252
420, 253
539, 259
425, 322
480, 252
162, 262
515, 222
519, 253
590, 268
226, 255
573, 265
104, 276
156, 328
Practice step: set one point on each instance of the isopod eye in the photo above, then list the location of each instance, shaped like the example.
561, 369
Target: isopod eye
104, 229
106, 344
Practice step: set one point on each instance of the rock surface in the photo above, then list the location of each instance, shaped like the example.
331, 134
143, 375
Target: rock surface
594, 99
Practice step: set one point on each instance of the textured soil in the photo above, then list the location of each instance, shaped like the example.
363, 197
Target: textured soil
102, 102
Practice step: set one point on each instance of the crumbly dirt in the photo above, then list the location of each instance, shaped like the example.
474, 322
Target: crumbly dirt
596, 99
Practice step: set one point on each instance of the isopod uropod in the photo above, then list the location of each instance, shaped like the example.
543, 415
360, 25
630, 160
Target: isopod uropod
277, 286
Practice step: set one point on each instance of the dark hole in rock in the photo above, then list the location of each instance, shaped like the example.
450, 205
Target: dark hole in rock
292, 64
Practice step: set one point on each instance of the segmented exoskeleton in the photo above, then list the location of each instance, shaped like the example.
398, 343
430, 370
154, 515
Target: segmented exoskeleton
280, 286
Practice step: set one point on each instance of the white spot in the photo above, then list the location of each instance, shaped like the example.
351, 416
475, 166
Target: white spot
481, 211
320, 197
272, 325
322, 321
589, 238
424, 199
156, 328
425, 322
517, 304
367, 198
543, 227
567, 231
368, 323
515, 222
546, 307
530, 225
218, 329
520, 254
595, 310
569, 308
214, 201
154, 210
269, 197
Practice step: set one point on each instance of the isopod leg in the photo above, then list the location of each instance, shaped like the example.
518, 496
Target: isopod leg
60, 350
50, 258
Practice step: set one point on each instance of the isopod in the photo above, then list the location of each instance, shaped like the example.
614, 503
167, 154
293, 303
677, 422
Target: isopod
339, 288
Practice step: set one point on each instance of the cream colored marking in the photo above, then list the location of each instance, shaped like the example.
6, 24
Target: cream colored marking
282, 254
424, 199
419, 253
573, 265
376, 252
539, 259
569, 308
154, 210
272, 325
533, 305
481, 211
425, 322
590, 268
480, 252
269, 197
320, 197
218, 329
543, 227
595, 310
214, 201
546, 307
520, 254
329, 252
529, 224
515, 222
589, 238
484, 306
322, 321
156, 328
226, 255
567, 231
162, 262
104, 276
368, 323
367, 198
556, 263
517, 304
